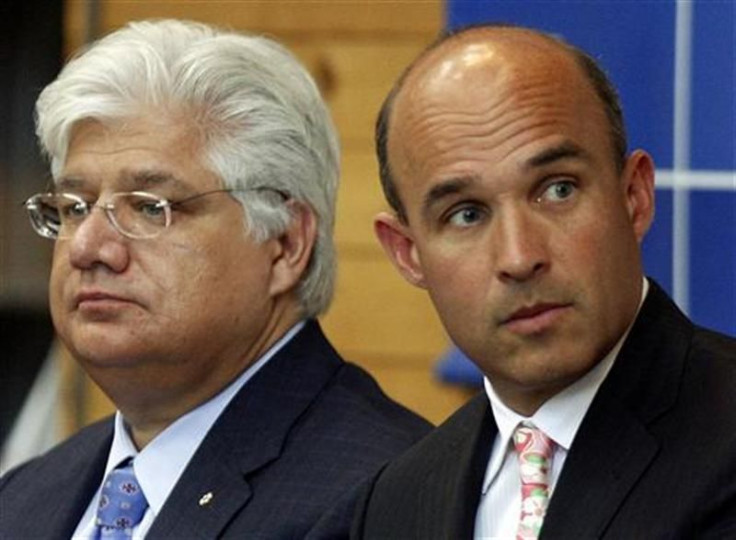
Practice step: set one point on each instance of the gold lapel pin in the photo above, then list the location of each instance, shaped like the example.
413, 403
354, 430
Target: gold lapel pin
206, 499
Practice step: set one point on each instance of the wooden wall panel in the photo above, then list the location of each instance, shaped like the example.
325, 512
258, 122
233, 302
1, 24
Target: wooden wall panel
380, 320
421, 391
355, 76
355, 49
391, 19
359, 199
313, 17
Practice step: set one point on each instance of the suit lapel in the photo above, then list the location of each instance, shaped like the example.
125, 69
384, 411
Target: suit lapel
70, 486
249, 435
452, 491
610, 453
614, 447
204, 500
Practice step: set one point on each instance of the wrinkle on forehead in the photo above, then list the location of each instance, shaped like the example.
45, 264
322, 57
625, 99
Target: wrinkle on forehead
506, 112
490, 93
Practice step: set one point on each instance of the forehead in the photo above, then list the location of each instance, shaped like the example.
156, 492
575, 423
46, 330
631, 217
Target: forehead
135, 153
501, 95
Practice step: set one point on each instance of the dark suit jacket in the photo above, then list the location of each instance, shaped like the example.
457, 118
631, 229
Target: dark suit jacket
284, 460
655, 456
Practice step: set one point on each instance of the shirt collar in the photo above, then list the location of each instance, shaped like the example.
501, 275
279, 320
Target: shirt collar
560, 416
160, 464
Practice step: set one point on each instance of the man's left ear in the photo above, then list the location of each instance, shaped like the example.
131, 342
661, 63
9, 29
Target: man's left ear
638, 181
293, 248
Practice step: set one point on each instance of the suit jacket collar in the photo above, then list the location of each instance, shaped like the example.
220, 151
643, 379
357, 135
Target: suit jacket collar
614, 445
69, 481
470, 476
249, 434
450, 492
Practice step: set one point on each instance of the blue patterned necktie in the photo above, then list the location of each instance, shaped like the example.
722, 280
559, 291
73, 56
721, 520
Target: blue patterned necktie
122, 504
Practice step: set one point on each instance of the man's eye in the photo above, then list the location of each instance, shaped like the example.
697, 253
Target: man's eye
74, 210
558, 191
151, 209
465, 216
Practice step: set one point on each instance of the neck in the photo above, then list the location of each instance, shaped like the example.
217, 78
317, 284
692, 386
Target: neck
528, 402
154, 397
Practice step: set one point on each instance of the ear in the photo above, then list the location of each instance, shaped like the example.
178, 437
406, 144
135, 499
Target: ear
293, 248
638, 180
398, 243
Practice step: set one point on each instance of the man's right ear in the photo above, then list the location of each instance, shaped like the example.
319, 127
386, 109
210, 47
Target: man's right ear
397, 242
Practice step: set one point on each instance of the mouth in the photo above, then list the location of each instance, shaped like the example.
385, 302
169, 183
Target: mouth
536, 318
98, 299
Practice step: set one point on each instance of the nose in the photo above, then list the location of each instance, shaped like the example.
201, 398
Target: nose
97, 243
521, 246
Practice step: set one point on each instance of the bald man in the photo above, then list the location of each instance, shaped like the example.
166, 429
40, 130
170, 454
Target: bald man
518, 207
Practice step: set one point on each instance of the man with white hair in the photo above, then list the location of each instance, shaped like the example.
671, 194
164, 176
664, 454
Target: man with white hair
194, 178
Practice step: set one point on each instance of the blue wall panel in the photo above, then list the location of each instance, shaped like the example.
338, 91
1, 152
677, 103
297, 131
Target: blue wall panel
714, 87
713, 259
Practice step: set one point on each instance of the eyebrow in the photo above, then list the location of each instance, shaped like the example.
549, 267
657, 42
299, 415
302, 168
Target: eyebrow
132, 180
566, 150
445, 189
153, 178
67, 182
453, 186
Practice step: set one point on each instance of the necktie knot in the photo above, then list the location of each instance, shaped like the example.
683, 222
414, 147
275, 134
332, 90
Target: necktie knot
534, 451
122, 504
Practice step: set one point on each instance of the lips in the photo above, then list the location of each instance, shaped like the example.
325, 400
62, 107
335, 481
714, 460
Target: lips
535, 318
531, 311
97, 297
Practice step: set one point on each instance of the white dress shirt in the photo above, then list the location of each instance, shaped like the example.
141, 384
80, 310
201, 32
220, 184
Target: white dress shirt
162, 461
559, 418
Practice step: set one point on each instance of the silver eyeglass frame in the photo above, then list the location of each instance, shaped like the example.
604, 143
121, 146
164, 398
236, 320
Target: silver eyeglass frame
42, 224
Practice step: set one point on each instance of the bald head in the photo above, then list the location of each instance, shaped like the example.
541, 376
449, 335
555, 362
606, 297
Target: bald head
510, 58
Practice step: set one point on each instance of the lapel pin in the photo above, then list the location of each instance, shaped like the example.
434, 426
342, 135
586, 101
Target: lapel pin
206, 499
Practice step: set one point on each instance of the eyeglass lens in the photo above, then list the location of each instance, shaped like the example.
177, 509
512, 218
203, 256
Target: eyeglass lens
135, 214
138, 214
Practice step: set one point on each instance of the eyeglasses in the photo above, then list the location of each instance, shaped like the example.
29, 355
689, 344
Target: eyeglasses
135, 214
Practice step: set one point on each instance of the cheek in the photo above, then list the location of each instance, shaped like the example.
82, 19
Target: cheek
604, 263
612, 249
185, 272
457, 283
217, 275
59, 280
594, 241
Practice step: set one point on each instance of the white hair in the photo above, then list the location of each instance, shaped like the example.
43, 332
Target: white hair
260, 113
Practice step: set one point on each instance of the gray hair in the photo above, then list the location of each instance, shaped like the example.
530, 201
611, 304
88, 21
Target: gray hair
261, 114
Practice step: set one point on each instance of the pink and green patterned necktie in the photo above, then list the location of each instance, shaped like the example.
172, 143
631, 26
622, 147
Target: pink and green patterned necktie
534, 450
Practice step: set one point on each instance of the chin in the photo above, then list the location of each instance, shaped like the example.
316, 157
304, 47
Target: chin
98, 350
106, 333
546, 369
96, 360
